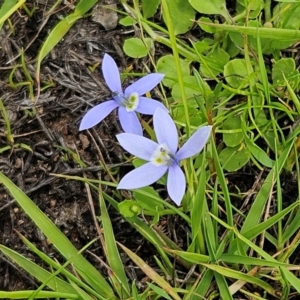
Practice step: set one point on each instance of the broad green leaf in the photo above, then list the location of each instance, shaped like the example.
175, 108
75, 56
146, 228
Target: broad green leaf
235, 137
145, 201
281, 68
181, 14
129, 208
214, 7
258, 153
193, 92
253, 7
231, 48
194, 96
206, 28
137, 48
204, 45
233, 158
287, 14
149, 8
127, 21
166, 65
214, 63
235, 72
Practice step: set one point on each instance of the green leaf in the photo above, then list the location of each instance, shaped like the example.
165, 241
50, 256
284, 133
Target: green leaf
235, 137
117, 276
59, 31
8, 7
281, 68
136, 48
127, 21
42, 295
166, 65
182, 15
233, 158
288, 14
206, 28
204, 45
144, 200
191, 89
235, 73
151, 273
215, 7
253, 7
149, 8
292, 279
214, 63
129, 208
258, 206
258, 153
159, 291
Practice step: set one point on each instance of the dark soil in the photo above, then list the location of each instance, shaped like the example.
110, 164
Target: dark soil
49, 126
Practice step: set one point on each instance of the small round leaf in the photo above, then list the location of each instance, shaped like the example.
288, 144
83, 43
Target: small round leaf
233, 158
136, 48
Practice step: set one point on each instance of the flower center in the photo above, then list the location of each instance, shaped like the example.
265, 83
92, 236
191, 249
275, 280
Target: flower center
162, 156
130, 103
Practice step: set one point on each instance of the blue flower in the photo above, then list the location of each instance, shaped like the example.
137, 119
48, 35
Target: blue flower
128, 102
163, 156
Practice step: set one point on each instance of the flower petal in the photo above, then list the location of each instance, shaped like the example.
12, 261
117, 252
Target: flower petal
165, 129
111, 74
195, 143
176, 184
129, 121
148, 106
142, 176
96, 114
144, 84
137, 145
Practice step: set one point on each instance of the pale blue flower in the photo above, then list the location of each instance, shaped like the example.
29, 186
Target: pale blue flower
128, 102
163, 156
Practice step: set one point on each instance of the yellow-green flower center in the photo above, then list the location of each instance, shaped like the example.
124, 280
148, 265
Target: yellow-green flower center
162, 156
132, 102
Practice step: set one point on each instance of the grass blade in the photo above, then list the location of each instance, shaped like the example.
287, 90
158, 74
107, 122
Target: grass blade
59, 240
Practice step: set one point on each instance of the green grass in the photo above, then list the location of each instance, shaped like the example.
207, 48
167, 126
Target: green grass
233, 248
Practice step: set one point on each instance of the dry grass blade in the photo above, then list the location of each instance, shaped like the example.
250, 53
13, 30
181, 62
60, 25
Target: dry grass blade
151, 273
